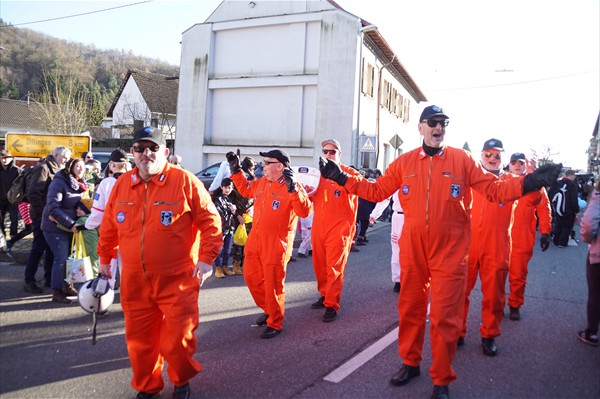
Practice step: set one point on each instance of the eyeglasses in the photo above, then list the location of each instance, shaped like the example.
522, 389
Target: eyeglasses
434, 122
329, 152
270, 162
515, 162
88, 157
142, 148
490, 154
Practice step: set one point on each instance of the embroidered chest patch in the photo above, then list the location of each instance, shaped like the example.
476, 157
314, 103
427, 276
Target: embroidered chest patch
405, 189
166, 217
120, 217
337, 193
455, 190
275, 205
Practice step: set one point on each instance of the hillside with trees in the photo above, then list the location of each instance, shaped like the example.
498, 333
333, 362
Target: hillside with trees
45, 69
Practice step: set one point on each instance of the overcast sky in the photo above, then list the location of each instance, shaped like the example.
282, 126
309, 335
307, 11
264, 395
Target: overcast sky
523, 71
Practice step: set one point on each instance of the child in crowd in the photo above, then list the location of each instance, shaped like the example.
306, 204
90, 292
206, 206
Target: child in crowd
223, 197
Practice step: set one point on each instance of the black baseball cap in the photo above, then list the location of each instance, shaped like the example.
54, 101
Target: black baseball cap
431, 112
517, 156
151, 134
279, 155
118, 155
493, 143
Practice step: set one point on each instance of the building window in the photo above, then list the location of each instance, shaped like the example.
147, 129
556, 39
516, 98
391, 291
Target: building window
368, 79
154, 122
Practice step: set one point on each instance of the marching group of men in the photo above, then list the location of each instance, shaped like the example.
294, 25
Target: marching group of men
162, 221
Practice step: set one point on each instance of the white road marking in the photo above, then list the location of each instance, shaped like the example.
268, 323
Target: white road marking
353, 364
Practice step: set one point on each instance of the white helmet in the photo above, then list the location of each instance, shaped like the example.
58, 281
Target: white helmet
94, 295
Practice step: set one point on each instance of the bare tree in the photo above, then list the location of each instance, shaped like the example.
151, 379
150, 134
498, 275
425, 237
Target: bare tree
543, 156
62, 105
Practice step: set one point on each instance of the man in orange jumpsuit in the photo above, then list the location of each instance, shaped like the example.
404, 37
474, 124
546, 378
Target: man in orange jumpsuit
333, 231
168, 231
278, 202
489, 252
523, 235
434, 182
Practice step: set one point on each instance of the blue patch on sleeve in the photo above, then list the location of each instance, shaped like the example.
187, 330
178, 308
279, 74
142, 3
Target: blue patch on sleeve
96, 197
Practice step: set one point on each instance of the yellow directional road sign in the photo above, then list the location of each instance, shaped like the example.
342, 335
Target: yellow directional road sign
40, 145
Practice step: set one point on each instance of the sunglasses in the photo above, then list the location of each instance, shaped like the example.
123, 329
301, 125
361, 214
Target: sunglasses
515, 162
490, 154
434, 123
270, 162
329, 152
142, 148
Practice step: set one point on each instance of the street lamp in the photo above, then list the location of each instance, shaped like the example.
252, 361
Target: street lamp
356, 139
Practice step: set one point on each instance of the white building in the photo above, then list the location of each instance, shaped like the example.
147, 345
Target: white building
144, 99
289, 74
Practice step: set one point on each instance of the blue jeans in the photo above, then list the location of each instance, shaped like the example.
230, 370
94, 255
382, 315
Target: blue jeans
223, 258
59, 244
38, 247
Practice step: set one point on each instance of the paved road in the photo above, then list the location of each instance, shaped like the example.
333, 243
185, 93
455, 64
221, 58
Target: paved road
46, 350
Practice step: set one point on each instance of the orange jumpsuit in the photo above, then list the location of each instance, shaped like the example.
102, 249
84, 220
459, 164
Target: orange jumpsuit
434, 245
332, 233
156, 226
523, 240
270, 243
488, 257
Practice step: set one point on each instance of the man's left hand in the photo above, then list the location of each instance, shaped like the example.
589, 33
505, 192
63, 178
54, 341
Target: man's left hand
288, 175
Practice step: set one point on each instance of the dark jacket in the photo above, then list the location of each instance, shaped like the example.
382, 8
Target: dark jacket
563, 197
41, 176
63, 195
7, 177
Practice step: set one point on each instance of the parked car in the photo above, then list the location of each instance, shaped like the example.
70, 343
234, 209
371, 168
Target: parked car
207, 175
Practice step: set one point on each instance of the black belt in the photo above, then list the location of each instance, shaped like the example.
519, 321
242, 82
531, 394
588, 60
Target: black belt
400, 212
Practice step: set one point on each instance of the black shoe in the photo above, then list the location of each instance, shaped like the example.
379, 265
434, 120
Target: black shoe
146, 395
292, 259
9, 254
269, 332
182, 392
489, 347
404, 375
329, 315
588, 337
440, 392
310, 252
354, 249
262, 320
301, 255
515, 314
47, 284
318, 304
460, 342
397, 287
360, 243
33, 288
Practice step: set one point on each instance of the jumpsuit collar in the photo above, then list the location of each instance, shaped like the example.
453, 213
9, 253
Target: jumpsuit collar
441, 152
160, 179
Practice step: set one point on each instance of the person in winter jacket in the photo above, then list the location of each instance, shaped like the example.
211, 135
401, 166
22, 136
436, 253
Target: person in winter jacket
565, 207
590, 233
8, 173
64, 196
37, 190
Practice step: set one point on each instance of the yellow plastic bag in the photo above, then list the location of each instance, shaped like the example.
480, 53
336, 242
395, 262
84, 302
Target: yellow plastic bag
240, 235
79, 265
